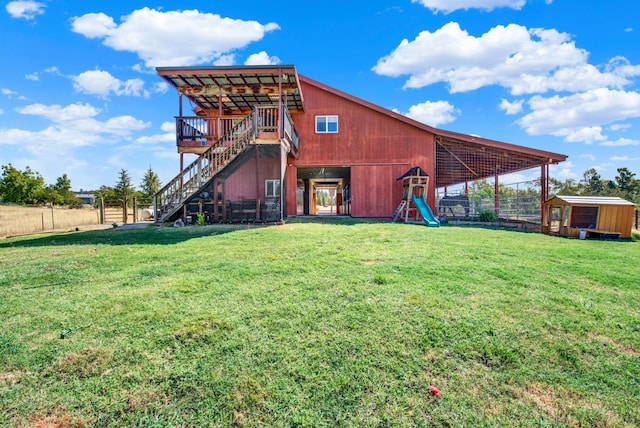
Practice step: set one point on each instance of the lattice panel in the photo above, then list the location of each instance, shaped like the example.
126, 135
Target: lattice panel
458, 162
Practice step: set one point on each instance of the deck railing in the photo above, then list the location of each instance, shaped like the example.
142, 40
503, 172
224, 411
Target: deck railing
206, 131
192, 178
288, 130
203, 130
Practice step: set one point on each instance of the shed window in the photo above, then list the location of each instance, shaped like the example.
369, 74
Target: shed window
584, 217
272, 188
326, 124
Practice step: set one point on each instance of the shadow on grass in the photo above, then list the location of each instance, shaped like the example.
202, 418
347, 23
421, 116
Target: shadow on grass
153, 235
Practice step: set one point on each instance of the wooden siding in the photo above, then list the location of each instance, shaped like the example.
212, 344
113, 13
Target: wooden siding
376, 189
378, 148
616, 219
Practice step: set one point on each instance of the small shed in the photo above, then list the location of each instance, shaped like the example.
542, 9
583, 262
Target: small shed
589, 216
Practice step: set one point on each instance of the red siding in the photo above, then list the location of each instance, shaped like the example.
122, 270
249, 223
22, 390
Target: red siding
378, 147
242, 184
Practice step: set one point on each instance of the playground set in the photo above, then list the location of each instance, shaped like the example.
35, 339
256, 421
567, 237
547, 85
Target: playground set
413, 207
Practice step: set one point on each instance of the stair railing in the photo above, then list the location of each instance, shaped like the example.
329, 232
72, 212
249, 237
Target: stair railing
172, 196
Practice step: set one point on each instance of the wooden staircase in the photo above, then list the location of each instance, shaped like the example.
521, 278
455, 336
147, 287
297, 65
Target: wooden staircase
170, 199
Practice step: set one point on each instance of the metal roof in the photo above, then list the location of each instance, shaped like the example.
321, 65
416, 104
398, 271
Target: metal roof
236, 89
592, 200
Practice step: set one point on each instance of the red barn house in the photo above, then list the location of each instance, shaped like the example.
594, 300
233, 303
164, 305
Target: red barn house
266, 139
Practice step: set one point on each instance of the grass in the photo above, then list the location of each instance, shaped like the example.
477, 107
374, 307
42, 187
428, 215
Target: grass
318, 324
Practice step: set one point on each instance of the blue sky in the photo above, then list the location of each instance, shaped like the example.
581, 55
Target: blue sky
79, 93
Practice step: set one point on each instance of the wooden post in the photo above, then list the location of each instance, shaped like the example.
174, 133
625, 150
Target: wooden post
53, 223
125, 214
101, 210
135, 209
257, 182
544, 192
496, 196
155, 208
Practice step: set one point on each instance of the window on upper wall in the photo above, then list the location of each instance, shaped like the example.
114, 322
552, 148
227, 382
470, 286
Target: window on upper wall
326, 124
272, 188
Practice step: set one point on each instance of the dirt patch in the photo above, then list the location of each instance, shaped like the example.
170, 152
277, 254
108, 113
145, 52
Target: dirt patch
563, 406
84, 363
51, 421
625, 349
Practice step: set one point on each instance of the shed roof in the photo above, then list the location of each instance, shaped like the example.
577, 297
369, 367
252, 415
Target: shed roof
592, 200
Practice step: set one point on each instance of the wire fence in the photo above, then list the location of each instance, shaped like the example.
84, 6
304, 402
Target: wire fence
515, 202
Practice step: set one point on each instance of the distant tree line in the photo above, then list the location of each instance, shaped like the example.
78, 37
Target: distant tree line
625, 185
27, 187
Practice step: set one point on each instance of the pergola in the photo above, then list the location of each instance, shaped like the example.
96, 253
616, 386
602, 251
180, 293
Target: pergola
232, 90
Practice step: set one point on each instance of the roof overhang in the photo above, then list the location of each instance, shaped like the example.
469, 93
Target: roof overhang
236, 89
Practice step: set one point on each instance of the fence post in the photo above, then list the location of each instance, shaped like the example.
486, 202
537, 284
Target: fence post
53, 223
101, 210
135, 209
124, 210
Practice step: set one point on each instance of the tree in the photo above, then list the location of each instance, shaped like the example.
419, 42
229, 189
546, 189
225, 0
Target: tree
21, 187
150, 183
625, 180
123, 188
592, 183
569, 187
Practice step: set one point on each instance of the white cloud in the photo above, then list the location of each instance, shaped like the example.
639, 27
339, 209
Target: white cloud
620, 126
511, 107
8, 92
57, 113
624, 158
32, 76
433, 113
621, 142
74, 125
168, 127
448, 6
160, 88
167, 38
523, 60
102, 83
262, 58
589, 156
25, 9
563, 170
225, 60
579, 117
169, 137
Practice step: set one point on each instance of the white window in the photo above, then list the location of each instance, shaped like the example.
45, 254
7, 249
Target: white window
326, 124
272, 188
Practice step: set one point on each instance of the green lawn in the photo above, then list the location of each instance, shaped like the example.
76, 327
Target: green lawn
318, 324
